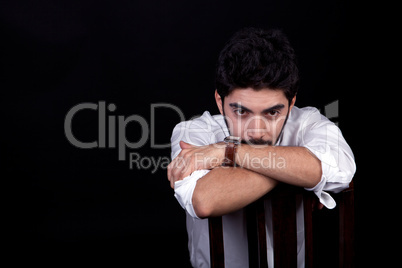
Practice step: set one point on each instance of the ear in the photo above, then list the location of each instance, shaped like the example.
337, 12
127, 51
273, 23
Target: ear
292, 103
218, 100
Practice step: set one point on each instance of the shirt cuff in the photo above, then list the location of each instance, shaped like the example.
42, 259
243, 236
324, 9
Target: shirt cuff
328, 166
184, 190
325, 198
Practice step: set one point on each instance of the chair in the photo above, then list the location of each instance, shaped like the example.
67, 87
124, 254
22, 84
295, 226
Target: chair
283, 199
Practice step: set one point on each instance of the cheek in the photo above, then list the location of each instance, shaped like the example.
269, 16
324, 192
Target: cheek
235, 126
275, 127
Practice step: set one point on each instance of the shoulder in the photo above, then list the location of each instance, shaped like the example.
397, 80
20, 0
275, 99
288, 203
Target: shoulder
307, 117
300, 114
306, 121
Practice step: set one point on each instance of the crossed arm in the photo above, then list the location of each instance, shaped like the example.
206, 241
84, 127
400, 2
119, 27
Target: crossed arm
226, 189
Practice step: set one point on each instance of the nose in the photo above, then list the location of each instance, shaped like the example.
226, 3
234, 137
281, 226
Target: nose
257, 128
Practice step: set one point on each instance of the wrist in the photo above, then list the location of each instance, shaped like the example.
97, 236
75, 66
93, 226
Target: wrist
231, 143
216, 156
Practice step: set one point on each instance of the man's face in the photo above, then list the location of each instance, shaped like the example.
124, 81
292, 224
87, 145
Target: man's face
256, 116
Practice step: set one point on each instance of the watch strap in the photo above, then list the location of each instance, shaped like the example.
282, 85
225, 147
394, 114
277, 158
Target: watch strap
230, 152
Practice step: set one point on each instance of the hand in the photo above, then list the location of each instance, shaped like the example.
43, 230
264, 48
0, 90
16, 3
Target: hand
316, 205
193, 158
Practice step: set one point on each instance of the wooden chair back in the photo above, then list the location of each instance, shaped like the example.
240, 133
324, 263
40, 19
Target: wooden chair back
283, 200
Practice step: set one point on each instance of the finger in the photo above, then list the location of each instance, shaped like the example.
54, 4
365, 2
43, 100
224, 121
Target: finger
169, 171
180, 166
185, 145
172, 184
171, 168
176, 169
175, 177
172, 174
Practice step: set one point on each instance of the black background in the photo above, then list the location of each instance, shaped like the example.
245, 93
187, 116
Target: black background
77, 205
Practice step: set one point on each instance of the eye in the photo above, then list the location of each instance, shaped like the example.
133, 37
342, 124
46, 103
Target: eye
240, 112
273, 113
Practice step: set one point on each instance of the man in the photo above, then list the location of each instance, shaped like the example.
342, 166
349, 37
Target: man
256, 84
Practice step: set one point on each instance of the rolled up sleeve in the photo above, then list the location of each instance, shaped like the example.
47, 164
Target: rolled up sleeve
200, 135
183, 190
325, 140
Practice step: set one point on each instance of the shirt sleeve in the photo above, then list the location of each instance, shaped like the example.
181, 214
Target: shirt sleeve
184, 189
199, 136
324, 139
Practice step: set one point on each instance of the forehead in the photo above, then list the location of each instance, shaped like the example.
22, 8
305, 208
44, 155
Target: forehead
257, 100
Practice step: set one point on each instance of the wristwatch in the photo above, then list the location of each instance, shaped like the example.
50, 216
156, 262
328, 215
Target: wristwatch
230, 152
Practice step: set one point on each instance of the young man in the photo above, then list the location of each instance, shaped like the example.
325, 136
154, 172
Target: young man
256, 84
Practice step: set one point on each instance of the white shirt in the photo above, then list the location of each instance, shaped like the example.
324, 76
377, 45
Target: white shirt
305, 127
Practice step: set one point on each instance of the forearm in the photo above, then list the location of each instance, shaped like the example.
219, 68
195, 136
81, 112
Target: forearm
224, 190
291, 165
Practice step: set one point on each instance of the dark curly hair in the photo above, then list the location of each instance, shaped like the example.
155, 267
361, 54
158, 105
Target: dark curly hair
257, 58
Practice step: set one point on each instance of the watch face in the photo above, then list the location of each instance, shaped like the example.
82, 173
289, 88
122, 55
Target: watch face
233, 139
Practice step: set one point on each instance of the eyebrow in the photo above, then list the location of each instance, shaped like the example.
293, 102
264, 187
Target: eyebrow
275, 107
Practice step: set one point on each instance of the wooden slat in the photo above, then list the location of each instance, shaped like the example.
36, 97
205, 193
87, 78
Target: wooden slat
257, 243
262, 236
308, 198
217, 257
346, 227
284, 228
252, 237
